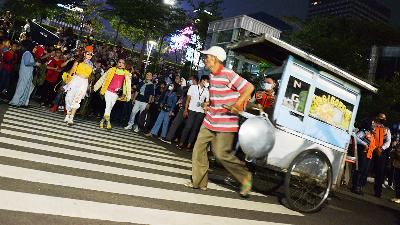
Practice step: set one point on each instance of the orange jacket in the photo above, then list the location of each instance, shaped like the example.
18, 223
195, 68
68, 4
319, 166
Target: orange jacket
376, 140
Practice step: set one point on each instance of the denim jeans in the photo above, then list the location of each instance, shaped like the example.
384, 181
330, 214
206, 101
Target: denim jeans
162, 119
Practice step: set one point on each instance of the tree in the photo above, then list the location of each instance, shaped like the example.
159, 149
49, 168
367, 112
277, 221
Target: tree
205, 12
30, 9
153, 17
344, 42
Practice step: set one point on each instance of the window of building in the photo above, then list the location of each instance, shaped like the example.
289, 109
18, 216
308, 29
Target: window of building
225, 36
331, 110
296, 95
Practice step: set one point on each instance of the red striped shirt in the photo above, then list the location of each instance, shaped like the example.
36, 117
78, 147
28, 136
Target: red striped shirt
225, 89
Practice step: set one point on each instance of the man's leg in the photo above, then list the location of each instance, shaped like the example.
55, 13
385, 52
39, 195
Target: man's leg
176, 123
222, 149
165, 125
188, 127
396, 180
142, 107
135, 110
380, 173
199, 158
157, 125
195, 129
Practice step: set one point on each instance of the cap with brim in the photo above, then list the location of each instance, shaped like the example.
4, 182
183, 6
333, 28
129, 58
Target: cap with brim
217, 52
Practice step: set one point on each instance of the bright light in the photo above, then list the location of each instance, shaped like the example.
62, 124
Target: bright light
152, 43
180, 40
169, 2
71, 8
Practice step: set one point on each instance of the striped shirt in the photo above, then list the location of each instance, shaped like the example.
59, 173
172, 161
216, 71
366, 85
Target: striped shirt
225, 89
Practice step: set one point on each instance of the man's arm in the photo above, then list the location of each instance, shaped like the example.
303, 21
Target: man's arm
244, 96
388, 139
187, 103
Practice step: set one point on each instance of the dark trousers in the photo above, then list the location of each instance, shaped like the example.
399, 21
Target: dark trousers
47, 92
192, 127
153, 113
380, 172
97, 104
176, 123
5, 78
359, 177
396, 180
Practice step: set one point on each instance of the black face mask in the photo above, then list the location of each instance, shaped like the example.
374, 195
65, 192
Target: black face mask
382, 121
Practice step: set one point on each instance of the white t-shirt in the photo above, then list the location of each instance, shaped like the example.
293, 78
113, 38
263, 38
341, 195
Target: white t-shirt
197, 95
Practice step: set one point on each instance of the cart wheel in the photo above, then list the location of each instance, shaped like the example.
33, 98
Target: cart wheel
308, 181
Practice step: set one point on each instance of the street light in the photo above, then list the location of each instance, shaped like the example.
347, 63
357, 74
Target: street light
169, 2
150, 46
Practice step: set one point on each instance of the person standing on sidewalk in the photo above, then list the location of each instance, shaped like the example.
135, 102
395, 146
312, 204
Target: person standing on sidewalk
142, 100
383, 139
115, 85
196, 96
220, 125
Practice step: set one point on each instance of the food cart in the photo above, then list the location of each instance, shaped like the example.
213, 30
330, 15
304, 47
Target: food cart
313, 117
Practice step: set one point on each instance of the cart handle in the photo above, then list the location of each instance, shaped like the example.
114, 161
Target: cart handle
243, 113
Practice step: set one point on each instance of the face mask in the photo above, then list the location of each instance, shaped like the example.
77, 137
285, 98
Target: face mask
268, 86
190, 82
206, 85
382, 121
170, 88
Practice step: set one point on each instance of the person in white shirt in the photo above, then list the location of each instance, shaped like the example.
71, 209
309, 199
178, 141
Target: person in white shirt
194, 112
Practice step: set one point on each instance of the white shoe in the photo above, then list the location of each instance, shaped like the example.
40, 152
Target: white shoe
136, 130
128, 127
70, 121
66, 118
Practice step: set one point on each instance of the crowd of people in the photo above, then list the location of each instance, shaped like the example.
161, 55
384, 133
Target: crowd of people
103, 82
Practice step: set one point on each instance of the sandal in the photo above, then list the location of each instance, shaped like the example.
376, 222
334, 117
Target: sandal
189, 184
245, 189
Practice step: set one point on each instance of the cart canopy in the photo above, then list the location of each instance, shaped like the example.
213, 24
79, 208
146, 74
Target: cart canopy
277, 52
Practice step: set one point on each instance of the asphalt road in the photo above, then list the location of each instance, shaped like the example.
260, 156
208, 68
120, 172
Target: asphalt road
54, 174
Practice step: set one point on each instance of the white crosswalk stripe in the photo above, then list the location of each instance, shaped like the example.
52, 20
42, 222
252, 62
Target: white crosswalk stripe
126, 177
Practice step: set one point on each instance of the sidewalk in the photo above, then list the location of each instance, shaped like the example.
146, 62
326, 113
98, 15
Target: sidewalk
384, 200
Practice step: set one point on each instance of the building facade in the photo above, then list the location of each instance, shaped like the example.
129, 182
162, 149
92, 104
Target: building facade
384, 63
225, 31
360, 9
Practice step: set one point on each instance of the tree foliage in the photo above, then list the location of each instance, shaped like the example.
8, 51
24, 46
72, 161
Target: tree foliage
344, 42
30, 9
205, 12
347, 43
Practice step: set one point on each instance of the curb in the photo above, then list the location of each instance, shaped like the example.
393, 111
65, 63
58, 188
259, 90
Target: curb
371, 199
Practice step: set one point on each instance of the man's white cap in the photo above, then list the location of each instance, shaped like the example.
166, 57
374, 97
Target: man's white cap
217, 52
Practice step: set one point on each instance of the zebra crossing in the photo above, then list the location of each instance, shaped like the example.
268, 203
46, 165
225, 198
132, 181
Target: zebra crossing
102, 177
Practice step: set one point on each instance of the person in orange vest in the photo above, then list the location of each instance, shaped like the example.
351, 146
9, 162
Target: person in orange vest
383, 139
375, 138
264, 100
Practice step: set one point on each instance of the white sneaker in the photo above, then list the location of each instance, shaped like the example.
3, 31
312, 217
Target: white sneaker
136, 130
128, 127
70, 121
66, 118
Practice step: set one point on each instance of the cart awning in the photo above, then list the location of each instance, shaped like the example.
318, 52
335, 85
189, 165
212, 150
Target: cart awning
277, 51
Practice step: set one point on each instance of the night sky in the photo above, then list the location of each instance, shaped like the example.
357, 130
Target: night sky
297, 8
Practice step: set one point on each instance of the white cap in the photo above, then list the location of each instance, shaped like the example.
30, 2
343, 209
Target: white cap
217, 52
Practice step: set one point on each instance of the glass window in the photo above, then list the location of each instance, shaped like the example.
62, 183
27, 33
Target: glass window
225, 36
296, 95
331, 109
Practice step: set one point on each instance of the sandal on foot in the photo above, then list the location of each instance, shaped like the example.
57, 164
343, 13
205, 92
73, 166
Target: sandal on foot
189, 184
245, 189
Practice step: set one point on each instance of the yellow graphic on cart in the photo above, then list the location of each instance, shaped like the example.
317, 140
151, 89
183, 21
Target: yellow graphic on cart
332, 110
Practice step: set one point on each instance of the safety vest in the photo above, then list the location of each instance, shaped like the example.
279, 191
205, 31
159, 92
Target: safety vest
376, 140
266, 99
